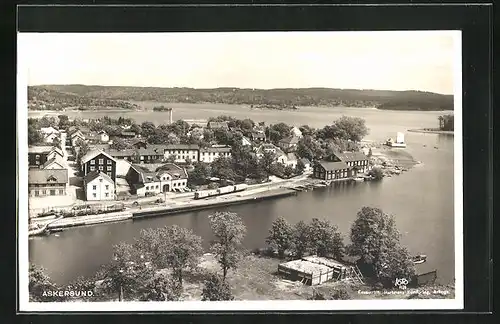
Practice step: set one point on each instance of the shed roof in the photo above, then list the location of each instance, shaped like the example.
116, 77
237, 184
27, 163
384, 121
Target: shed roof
91, 176
333, 166
351, 156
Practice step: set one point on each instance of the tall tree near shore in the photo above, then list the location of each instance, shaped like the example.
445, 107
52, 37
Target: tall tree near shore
171, 246
375, 240
229, 231
40, 284
161, 288
127, 272
267, 161
326, 240
215, 289
280, 236
301, 240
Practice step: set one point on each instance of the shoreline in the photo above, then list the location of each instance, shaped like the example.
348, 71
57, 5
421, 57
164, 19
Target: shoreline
431, 131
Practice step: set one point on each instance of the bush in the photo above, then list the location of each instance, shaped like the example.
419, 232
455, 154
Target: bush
215, 288
376, 173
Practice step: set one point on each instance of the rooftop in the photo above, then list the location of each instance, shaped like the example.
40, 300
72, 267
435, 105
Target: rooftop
216, 149
306, 267
93, 153
333, 166
181, 147
40, 149
290, 140
351, 156
91, 176
41, 176
56, 159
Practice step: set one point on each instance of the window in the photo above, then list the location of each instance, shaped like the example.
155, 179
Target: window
92, 161
92, 168
37, 192
94, 195
147, 187
107, 194
157, 186
61, 192
101, 168
109, 168
94, 187
37, 157
109, 174
101, 161
43, 192
37, 162
107, 187
109, 162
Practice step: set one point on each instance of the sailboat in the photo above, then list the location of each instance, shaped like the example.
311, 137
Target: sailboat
418, 259
399, 142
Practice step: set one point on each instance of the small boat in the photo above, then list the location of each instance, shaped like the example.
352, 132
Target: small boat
359, 179
56, 230
418, 259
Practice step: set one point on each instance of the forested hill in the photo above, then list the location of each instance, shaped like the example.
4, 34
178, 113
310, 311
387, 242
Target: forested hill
394, 100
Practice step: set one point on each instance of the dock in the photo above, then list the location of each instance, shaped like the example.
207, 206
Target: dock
211, 203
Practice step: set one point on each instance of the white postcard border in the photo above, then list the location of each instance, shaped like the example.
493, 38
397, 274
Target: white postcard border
274, 305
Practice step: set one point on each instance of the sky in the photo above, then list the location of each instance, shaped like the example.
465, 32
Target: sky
348, 60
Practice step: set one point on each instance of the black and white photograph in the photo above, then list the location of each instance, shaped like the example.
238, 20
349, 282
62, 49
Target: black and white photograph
202, 171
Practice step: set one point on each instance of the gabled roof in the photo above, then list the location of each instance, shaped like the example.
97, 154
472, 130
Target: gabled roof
47, 135
151, 150
49, 130
290, 140
40, 149
77, 133
333, 166
91, 176
56, 159
41, 176
225, 149
351, 156
214, 124
126, 152
93, 153
173, 169
57, 150
182, 147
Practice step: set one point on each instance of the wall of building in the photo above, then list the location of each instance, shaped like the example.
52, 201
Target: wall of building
42, 190
182, 155
99, 189
103, 163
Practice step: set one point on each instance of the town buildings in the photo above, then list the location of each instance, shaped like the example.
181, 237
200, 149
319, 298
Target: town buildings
218, 125
98, 186
37, 155
331, 170
356, 160
180, 153
289, 144
209, 154
97, 160
56, 162
47, 182
166, 178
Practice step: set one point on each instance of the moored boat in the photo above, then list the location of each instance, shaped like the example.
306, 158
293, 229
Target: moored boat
418, 259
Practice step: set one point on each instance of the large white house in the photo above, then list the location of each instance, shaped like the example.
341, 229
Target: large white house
209, 154
166, 178
98, 186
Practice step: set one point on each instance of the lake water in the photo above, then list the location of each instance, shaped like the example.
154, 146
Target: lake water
421, 199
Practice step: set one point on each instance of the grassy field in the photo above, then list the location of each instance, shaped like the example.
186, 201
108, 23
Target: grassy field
256, 278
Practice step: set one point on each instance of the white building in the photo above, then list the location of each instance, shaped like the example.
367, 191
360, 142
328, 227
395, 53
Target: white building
181, 152
245, 141
98, 186
296, 131
104, 137
167, 178
49, 138
209, 154
49, 130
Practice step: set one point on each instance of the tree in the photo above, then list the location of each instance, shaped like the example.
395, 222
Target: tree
325, 239
171, 246
278, 132
309, 148
375, 240
446, 122
288, 171
172, 138
229, 231
348, 128
161, 288
126, 272
119, 144
136, 129
83, 284
63, 122
148, 129
280, 236
222, 167
200, 173
376, 173
215, 289
266, 161
307, 130
40, 286
300, 167
301, 240
34, 135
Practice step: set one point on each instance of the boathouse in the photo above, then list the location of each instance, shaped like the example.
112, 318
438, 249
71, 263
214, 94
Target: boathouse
331, 170
358, 161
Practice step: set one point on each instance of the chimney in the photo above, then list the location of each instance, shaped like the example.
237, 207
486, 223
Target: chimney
170, 115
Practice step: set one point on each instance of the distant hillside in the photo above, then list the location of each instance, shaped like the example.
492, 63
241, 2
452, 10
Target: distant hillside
394, 100
42, 98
